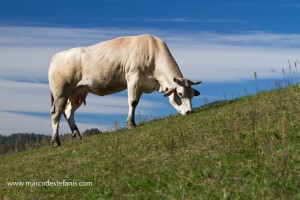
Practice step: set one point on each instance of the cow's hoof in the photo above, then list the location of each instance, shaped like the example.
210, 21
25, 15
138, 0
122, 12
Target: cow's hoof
76, 135
131, 125
55, 143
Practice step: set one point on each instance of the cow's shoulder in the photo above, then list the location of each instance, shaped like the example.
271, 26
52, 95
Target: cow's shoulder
150, 38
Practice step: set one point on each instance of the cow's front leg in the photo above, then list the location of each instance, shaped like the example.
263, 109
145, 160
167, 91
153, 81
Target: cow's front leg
131, 113
134, 95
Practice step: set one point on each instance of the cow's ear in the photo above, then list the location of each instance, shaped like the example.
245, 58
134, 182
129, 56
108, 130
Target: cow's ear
168, 91
196, 93
195, 82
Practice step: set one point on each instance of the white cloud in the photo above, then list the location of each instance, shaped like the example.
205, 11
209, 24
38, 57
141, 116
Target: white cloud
219, 63
233, 57
25, 53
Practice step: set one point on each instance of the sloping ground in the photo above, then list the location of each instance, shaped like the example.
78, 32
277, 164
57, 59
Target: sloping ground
244, 149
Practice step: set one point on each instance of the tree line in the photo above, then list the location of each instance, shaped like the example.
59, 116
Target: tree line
18, 142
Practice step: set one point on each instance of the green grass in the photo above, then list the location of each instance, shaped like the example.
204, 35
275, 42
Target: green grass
248, 148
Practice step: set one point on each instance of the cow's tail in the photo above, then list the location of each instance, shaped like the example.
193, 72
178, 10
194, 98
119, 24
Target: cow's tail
52, 104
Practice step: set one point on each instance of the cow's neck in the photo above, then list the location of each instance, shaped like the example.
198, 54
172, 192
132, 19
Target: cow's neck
166, 69
167, 74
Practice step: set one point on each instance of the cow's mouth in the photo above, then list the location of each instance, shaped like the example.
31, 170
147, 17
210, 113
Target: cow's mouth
186, 113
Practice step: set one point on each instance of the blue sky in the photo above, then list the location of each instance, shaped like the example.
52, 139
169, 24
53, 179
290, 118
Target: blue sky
221, 43
117, 13
214, 15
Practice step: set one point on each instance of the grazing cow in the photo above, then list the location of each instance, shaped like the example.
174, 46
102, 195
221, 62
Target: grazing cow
141, 64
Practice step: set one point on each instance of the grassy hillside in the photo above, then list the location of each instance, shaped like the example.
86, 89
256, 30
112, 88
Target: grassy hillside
244, 149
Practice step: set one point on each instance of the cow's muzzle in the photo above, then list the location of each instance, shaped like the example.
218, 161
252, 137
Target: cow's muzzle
187, 112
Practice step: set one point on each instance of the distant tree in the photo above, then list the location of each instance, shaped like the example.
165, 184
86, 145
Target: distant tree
90, 132
18, 142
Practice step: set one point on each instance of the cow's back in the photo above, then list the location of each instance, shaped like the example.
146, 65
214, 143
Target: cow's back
122, 52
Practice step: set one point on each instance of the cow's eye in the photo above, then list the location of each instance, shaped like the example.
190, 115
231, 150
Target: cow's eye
180, 94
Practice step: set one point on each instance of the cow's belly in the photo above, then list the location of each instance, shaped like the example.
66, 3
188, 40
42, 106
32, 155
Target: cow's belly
109, 87
106, 86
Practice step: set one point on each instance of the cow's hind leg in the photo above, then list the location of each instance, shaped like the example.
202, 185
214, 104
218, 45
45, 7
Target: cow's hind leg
57, 109
69, 115
75, 100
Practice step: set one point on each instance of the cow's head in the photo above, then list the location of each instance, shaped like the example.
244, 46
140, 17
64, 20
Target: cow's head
181, 94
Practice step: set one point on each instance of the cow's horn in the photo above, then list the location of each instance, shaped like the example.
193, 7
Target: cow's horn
195, 82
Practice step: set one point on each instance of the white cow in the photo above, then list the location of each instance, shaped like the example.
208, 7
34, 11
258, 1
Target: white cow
140, 63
